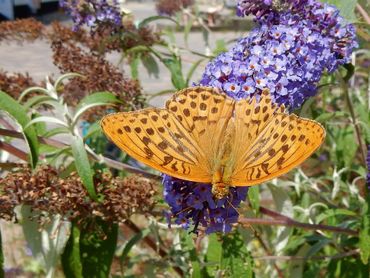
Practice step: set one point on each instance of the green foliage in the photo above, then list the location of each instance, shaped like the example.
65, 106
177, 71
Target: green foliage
17, 111
97, 247
83, 165
71, 261
90, 249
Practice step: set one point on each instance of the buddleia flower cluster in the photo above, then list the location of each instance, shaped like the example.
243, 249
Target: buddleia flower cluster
193, 204
92, 12
294, 43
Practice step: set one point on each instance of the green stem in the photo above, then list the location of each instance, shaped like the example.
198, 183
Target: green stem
354, 120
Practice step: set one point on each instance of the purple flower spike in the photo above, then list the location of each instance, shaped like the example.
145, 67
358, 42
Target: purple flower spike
92, 12
193, 203
294, 43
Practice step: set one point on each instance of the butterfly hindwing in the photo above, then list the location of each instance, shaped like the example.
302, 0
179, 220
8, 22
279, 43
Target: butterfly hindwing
156, 138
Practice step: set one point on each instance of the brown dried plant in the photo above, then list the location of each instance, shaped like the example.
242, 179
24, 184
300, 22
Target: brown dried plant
15, 83
21, 30
171, 7
48, 194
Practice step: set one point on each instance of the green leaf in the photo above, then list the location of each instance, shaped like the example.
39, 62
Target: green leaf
254, 197
324, 117
16, 111
192, 70
47, 242
131, 243
236, 260
37, 100
177, 78
66, 76
346, 8
334, 213
93, 100
149, 19
83, 166
317, 247
71, 262
92, 130
365, 235
55, 131
35, 89
134, 66
97, 247
214, 254
150, 65
46, 119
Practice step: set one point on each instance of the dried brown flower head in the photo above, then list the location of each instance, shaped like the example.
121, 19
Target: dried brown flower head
170, 7
44, 191
14, 84
21, 30
99, 75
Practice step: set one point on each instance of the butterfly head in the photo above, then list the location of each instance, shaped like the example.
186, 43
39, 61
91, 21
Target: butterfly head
220, 190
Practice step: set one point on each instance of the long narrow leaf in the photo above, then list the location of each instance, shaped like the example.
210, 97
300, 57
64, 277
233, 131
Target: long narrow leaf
16, 111
37, 100
96, 99
192, 70
97, 251
66, 76
83, 165
46, 119
131, 243
34, 89
71, 262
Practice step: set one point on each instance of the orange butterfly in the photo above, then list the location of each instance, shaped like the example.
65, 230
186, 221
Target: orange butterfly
204, 136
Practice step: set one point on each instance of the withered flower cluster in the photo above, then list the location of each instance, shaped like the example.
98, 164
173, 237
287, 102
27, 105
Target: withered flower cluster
99, 75
21, 30
15, 83
83, 52
171, 7
47, 194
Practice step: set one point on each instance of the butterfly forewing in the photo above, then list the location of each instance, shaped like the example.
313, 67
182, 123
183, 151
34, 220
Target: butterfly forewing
284, 143
156, 138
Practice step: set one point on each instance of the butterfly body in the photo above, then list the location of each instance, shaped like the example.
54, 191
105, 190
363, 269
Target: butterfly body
204, 136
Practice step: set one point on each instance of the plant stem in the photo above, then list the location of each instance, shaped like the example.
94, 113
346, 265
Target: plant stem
354, 120
364, 14
303, 258
292, 223
14, 151
269, 253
